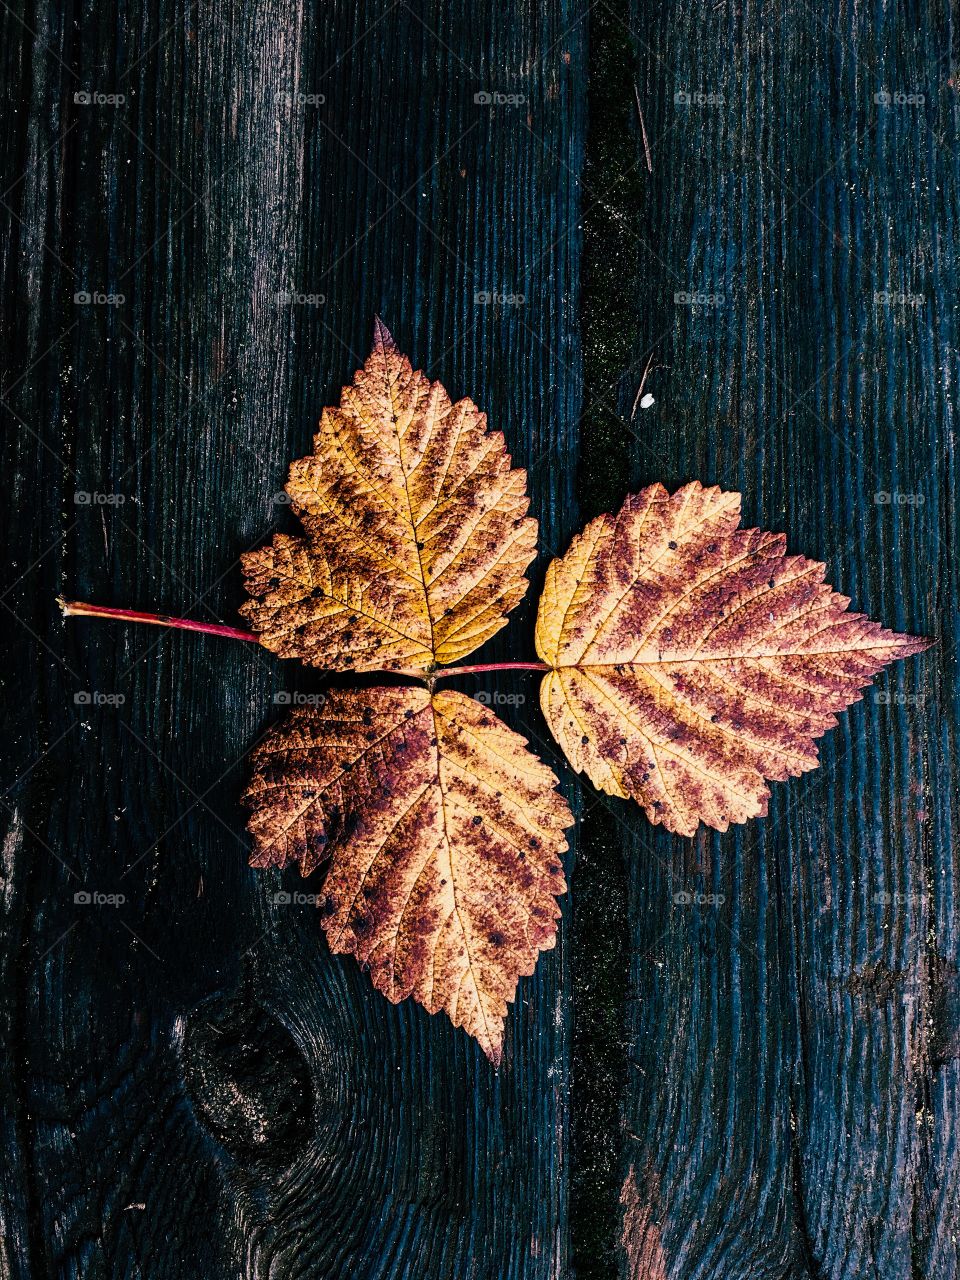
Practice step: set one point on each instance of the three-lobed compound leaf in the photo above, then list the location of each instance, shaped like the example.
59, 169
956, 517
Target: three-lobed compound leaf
444, 836
689, 661
417, 537
692, 659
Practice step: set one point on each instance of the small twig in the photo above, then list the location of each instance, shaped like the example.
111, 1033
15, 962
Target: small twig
643, 381
643, 130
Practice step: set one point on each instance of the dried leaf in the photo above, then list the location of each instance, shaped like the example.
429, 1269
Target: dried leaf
417, 536
693, 659
444, 836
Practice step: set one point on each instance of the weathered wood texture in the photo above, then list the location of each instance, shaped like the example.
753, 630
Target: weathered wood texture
764, 1085
793, 1072
192, 1086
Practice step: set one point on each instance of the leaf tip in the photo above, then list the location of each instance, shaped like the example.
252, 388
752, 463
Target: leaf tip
493, 1050
382, 337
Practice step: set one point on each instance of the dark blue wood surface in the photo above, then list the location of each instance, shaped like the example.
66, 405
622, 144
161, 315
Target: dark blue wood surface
760, 1085
792, 1047
195, 1087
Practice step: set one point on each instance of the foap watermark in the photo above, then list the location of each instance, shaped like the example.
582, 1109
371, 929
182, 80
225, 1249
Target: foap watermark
97, 698
296, 899
897, 498
899, 898
693, 898
292, 298
490, 298
496, 698
698, 298
294, 698
698, 98
94, 898
299, 99
86, 298
93, 498
884, 698
494, 98
94, 98
892, 298
899, 98
281, 499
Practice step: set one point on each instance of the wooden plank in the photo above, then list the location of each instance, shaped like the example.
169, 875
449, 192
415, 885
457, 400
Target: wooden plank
793, 1053
195, 1086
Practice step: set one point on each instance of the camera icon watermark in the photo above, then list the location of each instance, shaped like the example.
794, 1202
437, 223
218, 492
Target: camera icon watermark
893, 298
884, 698
291, 298
884, 498
490, 298
884, 898
697, 98
300, 99
92, 498
493, 98
698, 298
94, 98
294, 698
899, 99
86, 298
97, 698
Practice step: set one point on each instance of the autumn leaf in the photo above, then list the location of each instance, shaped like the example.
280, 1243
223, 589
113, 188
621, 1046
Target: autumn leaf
417, 536
443, 835
692, 659
689, 662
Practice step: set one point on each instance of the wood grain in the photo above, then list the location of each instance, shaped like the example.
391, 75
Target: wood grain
791, 1035
762, 1074
195, 1087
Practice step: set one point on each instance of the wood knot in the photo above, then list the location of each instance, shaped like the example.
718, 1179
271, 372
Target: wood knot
247, 1079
